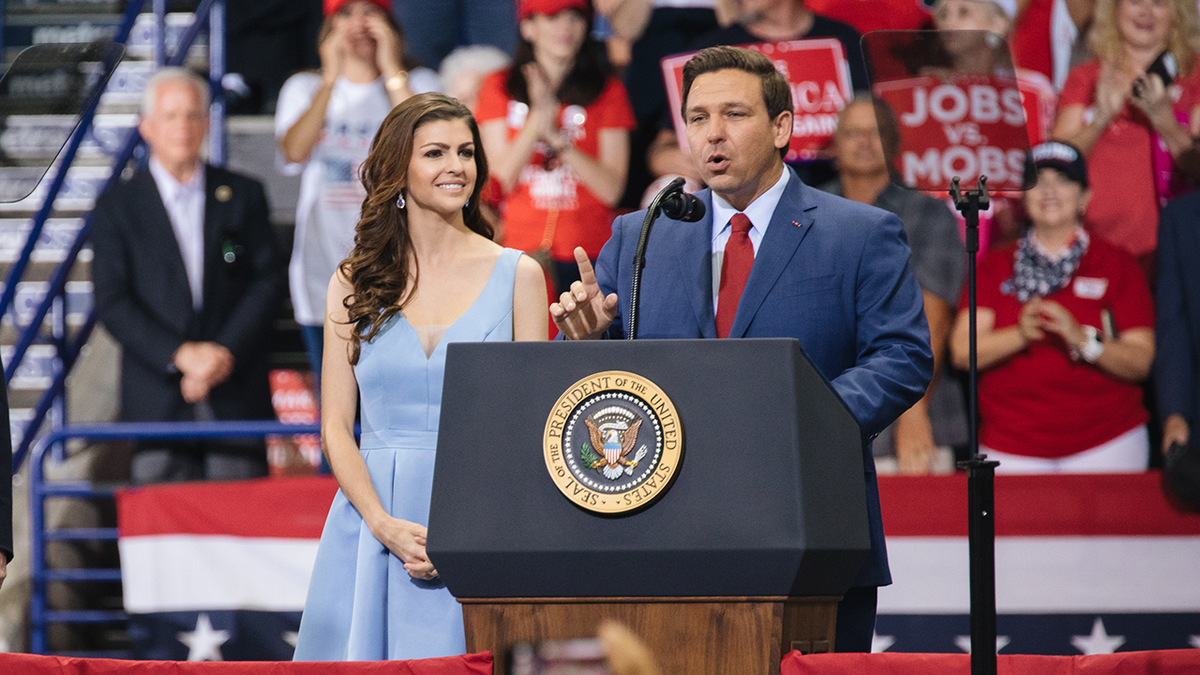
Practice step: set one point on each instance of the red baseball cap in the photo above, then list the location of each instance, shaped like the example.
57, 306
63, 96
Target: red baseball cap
528, 8
332, 6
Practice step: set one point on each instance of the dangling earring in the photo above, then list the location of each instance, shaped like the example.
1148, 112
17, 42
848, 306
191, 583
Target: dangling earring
400, 201
467, 205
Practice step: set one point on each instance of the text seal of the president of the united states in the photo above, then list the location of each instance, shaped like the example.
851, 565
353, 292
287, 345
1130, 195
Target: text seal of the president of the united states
613, 442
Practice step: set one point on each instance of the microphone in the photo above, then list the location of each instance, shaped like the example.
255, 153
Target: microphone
675, 204
679, 205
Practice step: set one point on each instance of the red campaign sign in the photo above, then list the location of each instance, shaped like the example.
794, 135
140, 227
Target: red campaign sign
963, 125
1040, 99
292, 398
819, 75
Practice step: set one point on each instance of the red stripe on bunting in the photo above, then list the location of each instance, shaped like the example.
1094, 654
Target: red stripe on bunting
1030, 506
26, 664
1166, 662
287, 508
934, 506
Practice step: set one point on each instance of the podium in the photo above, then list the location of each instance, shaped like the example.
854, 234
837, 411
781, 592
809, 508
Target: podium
738, 559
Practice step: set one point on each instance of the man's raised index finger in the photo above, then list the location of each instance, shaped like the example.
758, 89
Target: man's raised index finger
586, 274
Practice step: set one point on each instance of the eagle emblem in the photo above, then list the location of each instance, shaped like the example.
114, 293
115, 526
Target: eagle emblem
613, 433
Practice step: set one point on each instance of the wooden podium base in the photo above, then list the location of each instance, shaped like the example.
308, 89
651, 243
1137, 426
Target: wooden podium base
696, 636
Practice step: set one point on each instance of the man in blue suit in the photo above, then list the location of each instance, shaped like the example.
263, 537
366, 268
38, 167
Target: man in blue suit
1177, 363
789, 260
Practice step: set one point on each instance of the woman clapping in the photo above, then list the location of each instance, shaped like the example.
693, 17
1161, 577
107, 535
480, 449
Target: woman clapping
1066, 334
323, 125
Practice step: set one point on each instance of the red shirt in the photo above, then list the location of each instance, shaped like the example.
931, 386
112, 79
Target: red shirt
1031, 41
868, 15
1124, 206
550, 200
1039, 402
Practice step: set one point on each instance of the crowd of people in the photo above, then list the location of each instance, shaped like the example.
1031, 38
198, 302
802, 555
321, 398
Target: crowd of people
577, 127
425, 219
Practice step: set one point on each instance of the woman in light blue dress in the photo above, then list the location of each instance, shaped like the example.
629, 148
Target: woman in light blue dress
423, 272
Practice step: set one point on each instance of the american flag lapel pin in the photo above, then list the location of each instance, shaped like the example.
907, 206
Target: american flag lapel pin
797, 224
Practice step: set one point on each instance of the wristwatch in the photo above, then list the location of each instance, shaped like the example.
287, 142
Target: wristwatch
397, 82
1092, 347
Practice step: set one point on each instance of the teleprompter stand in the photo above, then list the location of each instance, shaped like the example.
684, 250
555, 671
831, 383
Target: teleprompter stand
742, 559
936, 90
981, 472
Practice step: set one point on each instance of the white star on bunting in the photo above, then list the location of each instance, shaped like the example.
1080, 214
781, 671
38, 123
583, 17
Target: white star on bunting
964, 642
1099, 642
204, 643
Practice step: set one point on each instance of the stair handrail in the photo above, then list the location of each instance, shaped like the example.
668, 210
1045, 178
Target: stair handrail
116, 431
207, 11
17, 271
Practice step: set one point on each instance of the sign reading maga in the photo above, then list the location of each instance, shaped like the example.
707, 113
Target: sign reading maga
963, 125
819, 75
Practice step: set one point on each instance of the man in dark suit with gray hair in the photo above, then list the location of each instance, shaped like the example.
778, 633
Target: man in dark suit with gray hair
187, 280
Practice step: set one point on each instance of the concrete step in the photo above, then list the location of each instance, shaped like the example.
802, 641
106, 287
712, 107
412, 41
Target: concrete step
25, 7
22, 30
80, 189
58, 234
31, 293
35, 140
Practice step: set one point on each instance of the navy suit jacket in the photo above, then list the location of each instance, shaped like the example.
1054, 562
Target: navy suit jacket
830, 272
1177, 362
143, 298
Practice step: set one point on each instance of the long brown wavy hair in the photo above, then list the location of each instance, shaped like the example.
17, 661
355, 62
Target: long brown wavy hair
382, 269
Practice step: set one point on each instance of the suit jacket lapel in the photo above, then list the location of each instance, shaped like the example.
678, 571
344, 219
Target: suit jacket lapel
694, 255
217, 196
160, 235
792, 220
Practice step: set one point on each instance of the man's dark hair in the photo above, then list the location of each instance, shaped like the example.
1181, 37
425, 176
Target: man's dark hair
777, 94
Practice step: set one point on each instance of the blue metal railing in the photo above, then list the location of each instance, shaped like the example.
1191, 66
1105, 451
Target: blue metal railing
217, 142
209, 13
17, 271
39, 490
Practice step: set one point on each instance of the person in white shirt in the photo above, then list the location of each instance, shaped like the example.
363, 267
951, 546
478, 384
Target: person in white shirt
324, 124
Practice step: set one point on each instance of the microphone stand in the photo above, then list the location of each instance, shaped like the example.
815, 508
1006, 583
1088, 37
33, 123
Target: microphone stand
981, 472
639, 256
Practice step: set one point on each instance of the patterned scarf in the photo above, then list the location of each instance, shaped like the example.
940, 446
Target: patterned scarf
1036, 272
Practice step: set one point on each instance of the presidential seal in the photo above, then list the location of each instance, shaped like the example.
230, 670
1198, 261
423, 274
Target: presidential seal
613, 442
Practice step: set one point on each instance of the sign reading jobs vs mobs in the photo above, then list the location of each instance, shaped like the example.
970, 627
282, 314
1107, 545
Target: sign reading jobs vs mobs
819, 76
964, 126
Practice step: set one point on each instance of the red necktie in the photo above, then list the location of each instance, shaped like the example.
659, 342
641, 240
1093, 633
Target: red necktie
735, 269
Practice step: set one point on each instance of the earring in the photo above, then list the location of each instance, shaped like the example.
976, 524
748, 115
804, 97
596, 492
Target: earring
400, 201
467, 205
